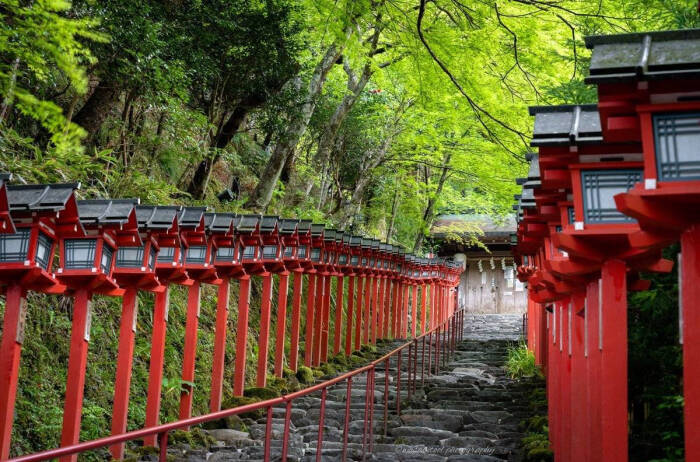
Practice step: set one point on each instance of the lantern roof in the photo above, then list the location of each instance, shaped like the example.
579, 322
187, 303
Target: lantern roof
108, 212
191, 217
375, 244
157, 217
317, 229
268, 223
366, 243
248, 223
329, 235
347, 237
288, 226
221, 223
304, 226
566, 124
40, 197
669, 54
355, 241
339, 237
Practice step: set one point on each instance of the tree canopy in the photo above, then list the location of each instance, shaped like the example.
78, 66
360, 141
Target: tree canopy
374, 115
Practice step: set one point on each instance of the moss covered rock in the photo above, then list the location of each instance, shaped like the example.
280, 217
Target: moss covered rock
305, 375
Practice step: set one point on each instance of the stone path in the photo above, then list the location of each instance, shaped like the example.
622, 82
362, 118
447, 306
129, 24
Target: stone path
469, 412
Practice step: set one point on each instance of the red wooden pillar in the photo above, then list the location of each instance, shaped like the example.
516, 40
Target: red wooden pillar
264, 339
387, 308
318, 319
552, 380
281, 326
155, 371
542, 339
614, 361
368, 310
325, 325
380, 307
122, 380
593, 372
12, 339
338, 321
296, 320
690, 335
358, 312
217, 371
375, 315
351, 307
394, 304
310, 298
80, 337
241, 336
190, 349
414, 311
567, 319
579, 408
423, 301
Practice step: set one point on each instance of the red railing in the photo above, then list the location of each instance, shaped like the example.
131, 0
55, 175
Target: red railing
440, 343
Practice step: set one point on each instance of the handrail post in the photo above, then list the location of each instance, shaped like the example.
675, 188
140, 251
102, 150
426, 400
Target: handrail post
408, 371
398, 383
319, 442
386, 395
268, 434
285, 434
346, 427
163, 444
371, 412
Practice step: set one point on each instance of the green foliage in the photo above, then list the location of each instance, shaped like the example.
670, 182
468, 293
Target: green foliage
655, 369
39, 43
521, 362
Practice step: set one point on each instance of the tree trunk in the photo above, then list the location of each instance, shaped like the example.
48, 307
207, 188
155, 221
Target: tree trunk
200, 180
262, 194
429, 214
96, 109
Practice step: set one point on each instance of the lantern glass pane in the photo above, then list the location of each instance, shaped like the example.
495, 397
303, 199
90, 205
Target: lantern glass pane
270, 251
196, 254
79, 253
599, 190
354, 260
343, 259
315, 254
225, 253
364, 261
301, 253
14, 247
371, 262
166, 255
289, 251
676, 138
44, 246
106, 259
571, 215
249, 252
130, 257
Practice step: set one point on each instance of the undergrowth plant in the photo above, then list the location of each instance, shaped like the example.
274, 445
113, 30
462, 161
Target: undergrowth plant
521, 362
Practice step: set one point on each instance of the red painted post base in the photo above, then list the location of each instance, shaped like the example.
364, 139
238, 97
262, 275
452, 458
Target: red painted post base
155, 372
122, 380
12, 339
77, 360
689, 296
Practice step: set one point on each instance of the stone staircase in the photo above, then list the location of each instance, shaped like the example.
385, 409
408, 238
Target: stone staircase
470, 411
